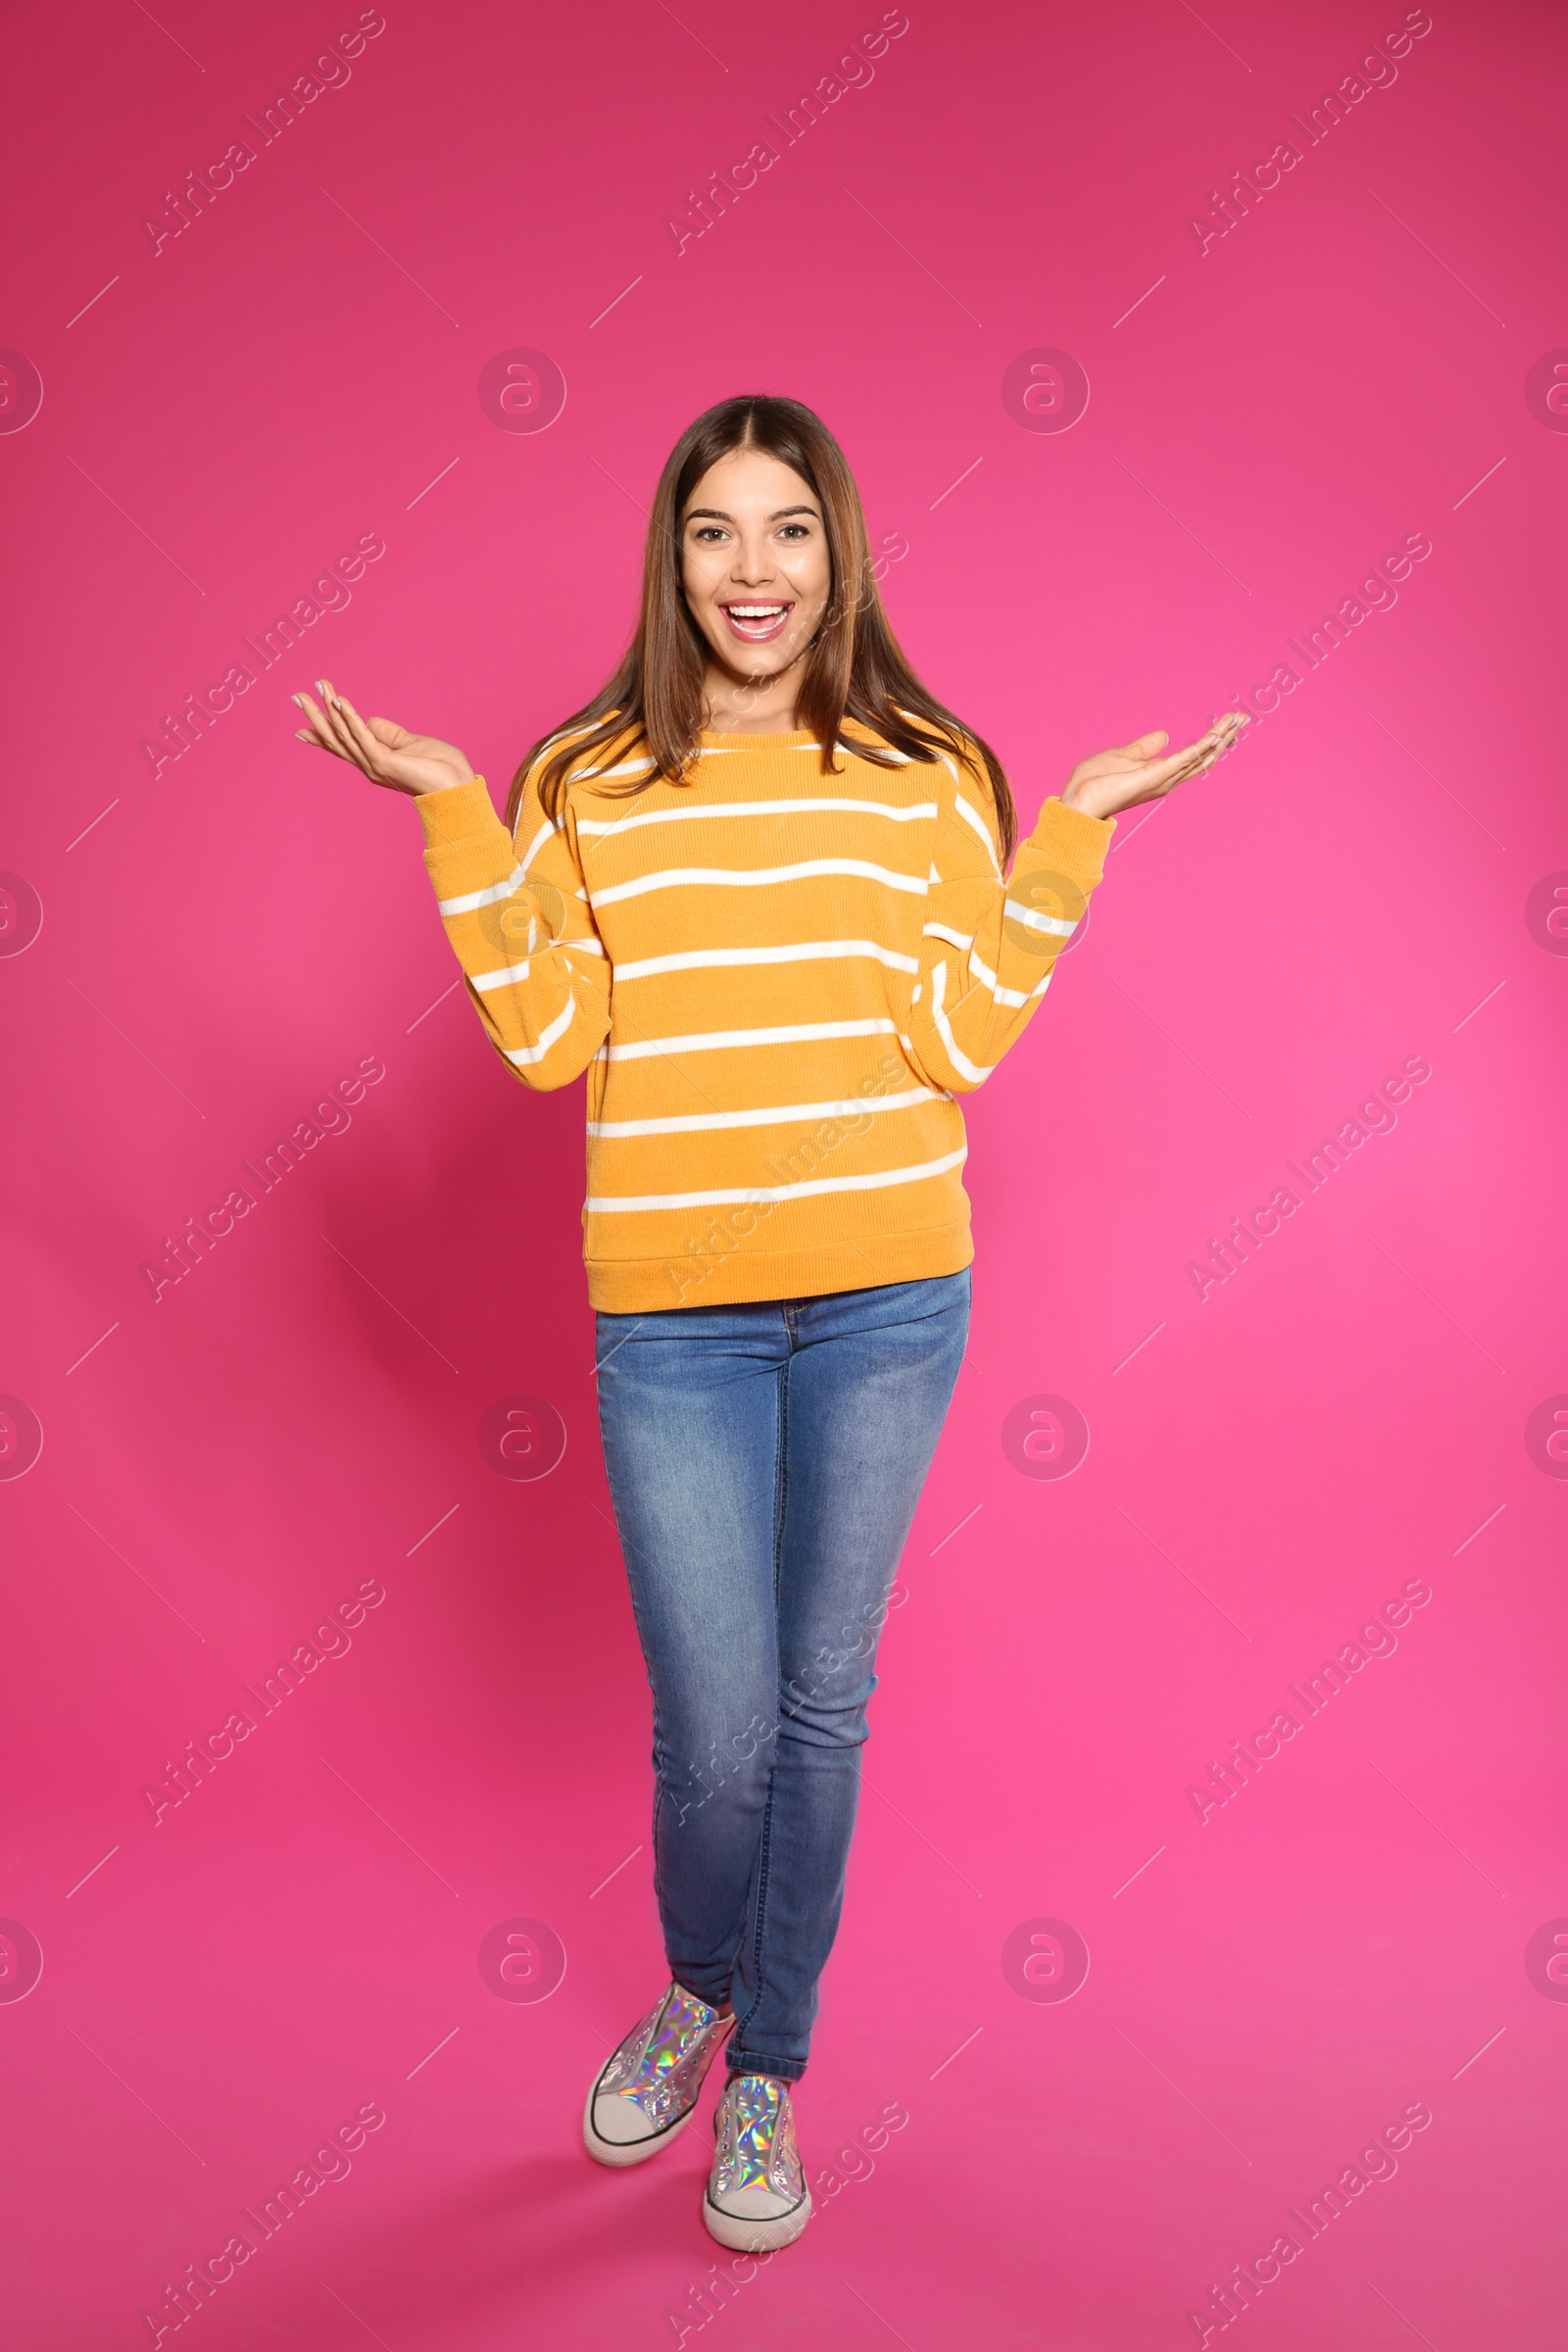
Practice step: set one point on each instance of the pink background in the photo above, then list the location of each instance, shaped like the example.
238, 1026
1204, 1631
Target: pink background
1268, 418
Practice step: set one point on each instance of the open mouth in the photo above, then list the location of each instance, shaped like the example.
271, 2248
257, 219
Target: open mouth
756, 623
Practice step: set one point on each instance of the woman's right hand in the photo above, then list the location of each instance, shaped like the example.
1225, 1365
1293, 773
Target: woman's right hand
379, 748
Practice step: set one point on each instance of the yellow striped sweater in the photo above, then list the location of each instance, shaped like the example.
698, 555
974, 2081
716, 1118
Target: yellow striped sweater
777, 982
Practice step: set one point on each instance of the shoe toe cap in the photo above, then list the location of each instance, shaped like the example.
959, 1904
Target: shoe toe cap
620, 2120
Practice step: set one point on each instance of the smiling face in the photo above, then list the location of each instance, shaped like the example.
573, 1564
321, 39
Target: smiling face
757, 575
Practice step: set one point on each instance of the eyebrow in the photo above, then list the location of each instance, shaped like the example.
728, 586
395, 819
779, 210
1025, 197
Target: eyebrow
717, 514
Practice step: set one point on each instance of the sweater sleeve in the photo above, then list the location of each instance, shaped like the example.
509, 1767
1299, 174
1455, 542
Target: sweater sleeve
517, 913
990, 946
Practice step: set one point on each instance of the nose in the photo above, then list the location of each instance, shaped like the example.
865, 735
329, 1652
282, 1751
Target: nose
753, 562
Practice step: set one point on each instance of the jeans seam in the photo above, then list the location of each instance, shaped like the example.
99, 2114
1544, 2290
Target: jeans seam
781, 1476
764, 1837
665, 1801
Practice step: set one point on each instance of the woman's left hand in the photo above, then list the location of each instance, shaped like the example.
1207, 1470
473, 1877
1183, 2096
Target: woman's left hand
1121, 778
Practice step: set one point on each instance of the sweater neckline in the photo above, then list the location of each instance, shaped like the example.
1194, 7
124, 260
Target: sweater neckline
773, 741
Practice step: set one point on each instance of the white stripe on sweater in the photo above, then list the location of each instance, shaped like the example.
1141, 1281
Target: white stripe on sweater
711, 1039
692, 960
524, 1056
975, 1071
548, 745
1038, 922
717, 1121
602, 1204
669, 816
628, 767
972, 817
1005, 996
724, 878
470, 898
537, 843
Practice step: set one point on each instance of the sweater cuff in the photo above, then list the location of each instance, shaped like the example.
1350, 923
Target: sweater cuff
461, 815
1077, 842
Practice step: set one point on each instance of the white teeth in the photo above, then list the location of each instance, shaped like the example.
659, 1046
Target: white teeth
753, 611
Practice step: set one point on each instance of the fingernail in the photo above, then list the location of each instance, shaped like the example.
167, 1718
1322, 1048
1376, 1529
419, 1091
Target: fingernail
299, 702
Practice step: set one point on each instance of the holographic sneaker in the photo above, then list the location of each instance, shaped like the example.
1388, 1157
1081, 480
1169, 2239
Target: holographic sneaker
646, 2091
756, 2194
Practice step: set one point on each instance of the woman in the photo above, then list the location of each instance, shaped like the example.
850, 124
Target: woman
755, 889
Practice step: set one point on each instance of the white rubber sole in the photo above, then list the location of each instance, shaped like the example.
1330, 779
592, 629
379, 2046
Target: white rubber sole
755, 2236
634, 2151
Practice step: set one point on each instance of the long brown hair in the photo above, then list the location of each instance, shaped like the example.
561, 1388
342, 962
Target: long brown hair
856, 667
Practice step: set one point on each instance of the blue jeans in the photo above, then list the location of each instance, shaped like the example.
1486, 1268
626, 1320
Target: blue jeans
765, 1463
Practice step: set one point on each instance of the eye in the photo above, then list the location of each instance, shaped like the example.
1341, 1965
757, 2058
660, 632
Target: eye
708, 531
794, 530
